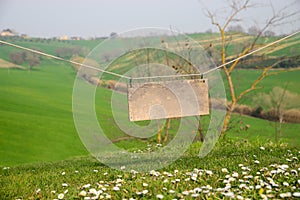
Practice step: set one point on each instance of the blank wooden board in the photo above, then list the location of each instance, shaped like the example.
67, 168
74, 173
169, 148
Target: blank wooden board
169, 99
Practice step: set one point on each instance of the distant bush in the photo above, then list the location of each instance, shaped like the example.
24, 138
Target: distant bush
20, 58
243, 109
68, 52
292, 115
261, 61
17, 57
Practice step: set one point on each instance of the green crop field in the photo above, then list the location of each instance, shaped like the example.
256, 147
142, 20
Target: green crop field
36, 115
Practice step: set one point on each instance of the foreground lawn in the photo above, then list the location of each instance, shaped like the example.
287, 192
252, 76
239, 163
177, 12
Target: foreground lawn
234, 169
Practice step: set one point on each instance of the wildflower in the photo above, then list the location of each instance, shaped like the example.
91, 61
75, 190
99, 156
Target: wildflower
227, 187
95, 170
64, 184
195, 195
133, 171
175, 171
119, 180
239, 197
145, 192
160, 196
118, 185
38, 191
116, 188
53, 191
226, 181
224, 170
235, 174
285, 195
283, 167
262, 148
154, 173
296, 194
197, 190
6, 168
257, 187
256, 162
286, 184
76, 171
86, 186
231, 179
208, 172
93, 191
248, 177
171, 191
263, 196
294, 172
185, 192
60, 196
123, 167
82, 193
63, 173
228, 194
145, 184
108, 196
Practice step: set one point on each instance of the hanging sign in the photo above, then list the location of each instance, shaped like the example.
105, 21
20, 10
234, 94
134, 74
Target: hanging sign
168, 99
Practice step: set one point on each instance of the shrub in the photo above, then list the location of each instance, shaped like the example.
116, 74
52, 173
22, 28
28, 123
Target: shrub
292, 115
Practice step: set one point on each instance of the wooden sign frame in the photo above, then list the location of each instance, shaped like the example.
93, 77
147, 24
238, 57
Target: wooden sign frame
169, 99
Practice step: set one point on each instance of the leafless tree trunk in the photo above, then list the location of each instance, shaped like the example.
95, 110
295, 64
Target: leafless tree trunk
236, 8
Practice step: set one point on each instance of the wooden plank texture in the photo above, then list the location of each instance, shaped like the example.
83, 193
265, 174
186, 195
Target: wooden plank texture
169, 99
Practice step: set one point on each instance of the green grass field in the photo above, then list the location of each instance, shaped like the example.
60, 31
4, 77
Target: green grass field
37, 124
42, 156
234, 169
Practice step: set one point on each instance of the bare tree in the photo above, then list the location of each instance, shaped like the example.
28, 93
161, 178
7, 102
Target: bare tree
276, 102
236, 29
32, 59
17, 57
236, 8
253, 30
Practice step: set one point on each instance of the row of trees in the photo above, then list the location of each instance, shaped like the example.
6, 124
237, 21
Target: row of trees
20, 58
253, 30
68, 52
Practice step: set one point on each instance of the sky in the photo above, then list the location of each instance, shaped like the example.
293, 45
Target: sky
97, 18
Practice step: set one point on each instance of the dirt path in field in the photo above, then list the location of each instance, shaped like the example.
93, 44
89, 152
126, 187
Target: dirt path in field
5, 64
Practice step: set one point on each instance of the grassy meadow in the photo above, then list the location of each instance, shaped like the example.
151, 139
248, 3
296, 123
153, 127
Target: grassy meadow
42, 156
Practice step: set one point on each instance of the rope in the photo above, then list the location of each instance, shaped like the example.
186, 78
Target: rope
254, 51
65, 60
150, 77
